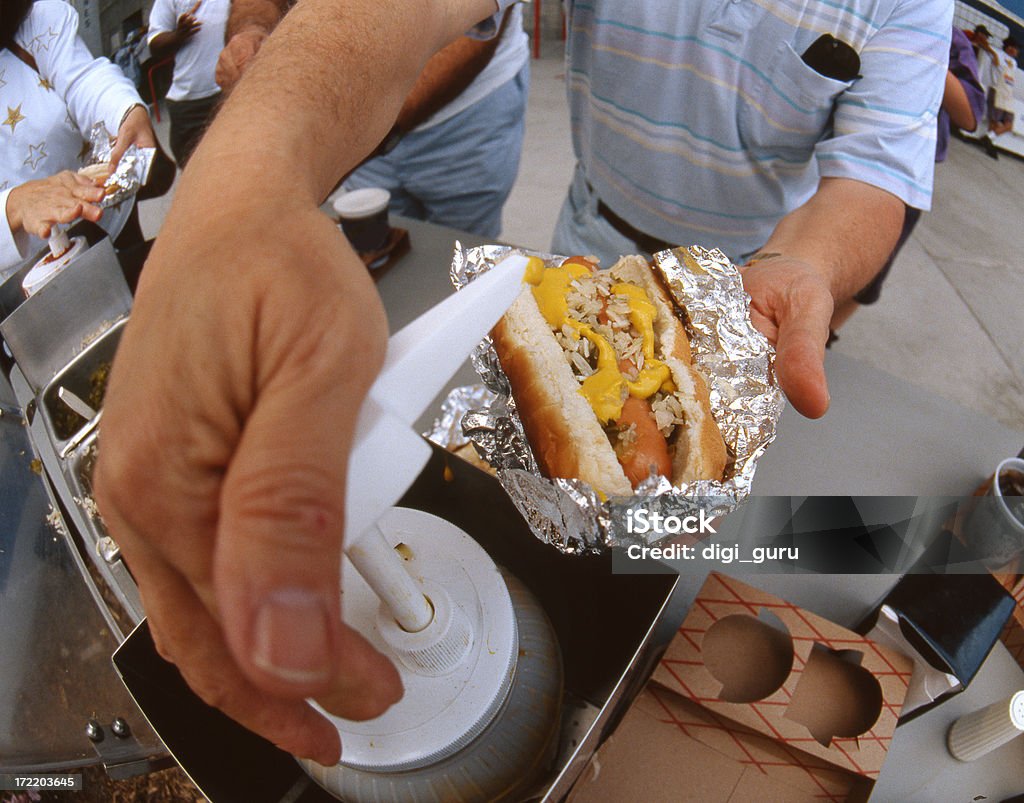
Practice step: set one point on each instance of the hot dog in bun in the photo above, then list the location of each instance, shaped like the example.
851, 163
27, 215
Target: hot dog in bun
602, 375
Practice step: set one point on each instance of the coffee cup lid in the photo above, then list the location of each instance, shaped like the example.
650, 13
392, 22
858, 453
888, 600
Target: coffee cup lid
362, 203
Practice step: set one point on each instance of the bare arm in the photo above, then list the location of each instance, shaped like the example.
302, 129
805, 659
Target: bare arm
957, 104
166, 44
235, 537
819, 255
445, 76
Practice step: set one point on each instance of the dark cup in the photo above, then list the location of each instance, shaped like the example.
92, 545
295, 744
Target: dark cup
364, 218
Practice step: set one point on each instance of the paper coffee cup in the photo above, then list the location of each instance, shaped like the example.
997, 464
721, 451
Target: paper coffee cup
364, 217
995, 528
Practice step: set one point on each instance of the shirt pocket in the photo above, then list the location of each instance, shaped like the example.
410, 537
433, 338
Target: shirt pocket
788, 108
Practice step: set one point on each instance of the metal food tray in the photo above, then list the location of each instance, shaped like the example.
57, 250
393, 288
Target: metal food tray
66, 428
60, 337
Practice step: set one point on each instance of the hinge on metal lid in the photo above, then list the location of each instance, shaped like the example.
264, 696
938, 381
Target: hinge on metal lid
119, 750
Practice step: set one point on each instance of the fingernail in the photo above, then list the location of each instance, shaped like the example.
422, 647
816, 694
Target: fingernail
292, 636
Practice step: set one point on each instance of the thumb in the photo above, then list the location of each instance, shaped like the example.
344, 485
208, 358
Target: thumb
800, 359
120, 146
279, 547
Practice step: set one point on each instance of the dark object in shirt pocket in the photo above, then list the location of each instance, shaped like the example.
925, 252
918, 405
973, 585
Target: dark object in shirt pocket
832, 58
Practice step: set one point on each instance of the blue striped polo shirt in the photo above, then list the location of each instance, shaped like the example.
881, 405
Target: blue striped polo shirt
697, 121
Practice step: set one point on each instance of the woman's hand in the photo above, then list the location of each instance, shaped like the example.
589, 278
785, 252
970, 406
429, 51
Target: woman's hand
136, 129
36, 206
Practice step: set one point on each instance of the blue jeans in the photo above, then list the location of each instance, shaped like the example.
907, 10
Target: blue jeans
458, 173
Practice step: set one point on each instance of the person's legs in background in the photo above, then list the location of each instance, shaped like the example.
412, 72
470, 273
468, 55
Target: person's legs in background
189, 119
460, 172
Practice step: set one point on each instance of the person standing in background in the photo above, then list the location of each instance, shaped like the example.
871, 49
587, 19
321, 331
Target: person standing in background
54, 91
1002, 73
193, 34
452, 156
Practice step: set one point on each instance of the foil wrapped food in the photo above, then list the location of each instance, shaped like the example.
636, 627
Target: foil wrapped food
735, 358
132, 169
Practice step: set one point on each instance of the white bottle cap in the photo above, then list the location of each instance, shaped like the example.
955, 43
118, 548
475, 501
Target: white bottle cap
980, 732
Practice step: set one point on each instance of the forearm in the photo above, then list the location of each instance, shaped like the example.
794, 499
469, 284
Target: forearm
292, 127
957, 104
445, 77
166, 44
847, 231
260, 15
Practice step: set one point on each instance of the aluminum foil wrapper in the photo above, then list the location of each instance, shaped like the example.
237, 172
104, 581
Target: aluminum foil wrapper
735, 358
131, 171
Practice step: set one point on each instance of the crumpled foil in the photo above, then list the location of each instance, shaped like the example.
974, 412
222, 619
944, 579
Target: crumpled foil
131, 171
735, 358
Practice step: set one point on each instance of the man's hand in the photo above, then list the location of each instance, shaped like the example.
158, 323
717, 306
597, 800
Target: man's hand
791, 304
188, 26
819, 256
256, 334
236, 56
136, 129
36, 206
166, 44
223, 475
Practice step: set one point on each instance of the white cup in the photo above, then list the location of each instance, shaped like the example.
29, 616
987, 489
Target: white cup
995, 528
364, 217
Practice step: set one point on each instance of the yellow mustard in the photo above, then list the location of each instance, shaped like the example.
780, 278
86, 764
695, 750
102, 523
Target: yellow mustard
606, 388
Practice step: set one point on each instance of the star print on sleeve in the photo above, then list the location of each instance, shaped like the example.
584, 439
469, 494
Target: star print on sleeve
3, 83
14, 116
43, 40
45, 83
36, 153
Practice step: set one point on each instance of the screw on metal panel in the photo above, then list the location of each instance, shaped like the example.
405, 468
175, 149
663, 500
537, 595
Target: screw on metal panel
94, 730
120, 728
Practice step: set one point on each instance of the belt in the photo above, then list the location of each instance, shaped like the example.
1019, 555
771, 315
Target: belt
646, 242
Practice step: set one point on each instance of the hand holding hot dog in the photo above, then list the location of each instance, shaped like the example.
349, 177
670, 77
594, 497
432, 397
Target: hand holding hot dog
817, 259
791, 304
36, 206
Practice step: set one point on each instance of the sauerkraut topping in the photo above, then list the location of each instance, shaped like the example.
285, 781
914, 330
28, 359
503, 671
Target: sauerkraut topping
606, 330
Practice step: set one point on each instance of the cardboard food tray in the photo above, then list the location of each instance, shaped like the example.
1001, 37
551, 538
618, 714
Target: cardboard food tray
754, 691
